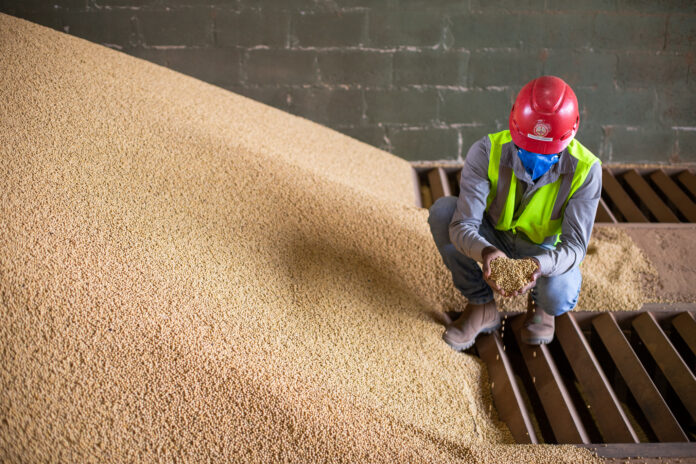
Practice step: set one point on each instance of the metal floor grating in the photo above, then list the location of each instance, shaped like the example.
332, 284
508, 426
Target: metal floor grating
620, 383
657, 195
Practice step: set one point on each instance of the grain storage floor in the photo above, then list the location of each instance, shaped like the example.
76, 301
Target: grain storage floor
672, 252
189, 275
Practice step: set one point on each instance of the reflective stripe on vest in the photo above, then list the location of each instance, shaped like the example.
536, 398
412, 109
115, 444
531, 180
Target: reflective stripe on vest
542, 217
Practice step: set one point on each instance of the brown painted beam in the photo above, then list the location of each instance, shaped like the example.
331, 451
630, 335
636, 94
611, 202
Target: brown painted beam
560, 411
650, 199
642, 388
506, 393
685, 325
688, 180
416, 188
620, 198
672, 191
604, 214
668, 360
444, 180
652, 225
610, 417
623, 318
439, 185
426, 195
436, 190
643, 450
663, 313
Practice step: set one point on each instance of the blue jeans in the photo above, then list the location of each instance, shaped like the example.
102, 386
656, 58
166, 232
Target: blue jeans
555, 295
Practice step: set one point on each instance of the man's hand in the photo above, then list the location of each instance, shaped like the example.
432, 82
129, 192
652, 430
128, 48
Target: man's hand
489, 254
535, 275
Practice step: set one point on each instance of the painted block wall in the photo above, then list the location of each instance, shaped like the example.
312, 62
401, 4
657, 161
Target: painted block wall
422, 79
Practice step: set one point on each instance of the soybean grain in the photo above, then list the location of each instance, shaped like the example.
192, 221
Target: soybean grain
187, 275
512, 274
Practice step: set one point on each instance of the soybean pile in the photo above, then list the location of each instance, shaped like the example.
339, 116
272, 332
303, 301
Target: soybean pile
512, 274
188, 275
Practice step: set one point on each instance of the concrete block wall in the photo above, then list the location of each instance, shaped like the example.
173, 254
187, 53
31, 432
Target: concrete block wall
422, 78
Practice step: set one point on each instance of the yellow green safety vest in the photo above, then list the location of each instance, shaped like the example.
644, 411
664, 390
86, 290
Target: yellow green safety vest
543, 215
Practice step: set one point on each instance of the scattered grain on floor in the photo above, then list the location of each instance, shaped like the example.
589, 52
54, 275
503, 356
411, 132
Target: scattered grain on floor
187, 275
616, 275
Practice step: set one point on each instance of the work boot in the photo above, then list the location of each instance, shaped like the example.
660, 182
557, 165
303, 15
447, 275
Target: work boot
538, 326
475, 319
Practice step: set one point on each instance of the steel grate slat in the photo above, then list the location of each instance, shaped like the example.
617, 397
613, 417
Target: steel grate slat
662, 421
611, 419
676, 196
622, 384
618, 196
685, 325
506, 392
668, 361
604, 214
647, 195
560, 411
650, 199
542, 376
688, 180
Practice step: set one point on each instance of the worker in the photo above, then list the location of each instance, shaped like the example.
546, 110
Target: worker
527, 192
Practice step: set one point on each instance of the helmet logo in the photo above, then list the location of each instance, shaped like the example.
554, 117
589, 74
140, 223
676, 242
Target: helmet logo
542, 129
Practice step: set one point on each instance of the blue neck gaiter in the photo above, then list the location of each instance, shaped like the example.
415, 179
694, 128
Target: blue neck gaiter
536, 164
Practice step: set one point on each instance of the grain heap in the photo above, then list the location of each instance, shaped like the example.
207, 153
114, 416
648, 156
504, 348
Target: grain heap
512, 274
186, 274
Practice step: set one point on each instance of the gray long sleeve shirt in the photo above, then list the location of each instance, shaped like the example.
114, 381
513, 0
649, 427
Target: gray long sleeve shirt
578, 218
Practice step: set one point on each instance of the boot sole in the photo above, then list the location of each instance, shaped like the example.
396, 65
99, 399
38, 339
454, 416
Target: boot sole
465, 346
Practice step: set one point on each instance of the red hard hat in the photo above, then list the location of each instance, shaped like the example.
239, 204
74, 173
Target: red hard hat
545, 117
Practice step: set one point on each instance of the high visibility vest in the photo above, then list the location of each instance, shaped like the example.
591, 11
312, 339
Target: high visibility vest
543, 215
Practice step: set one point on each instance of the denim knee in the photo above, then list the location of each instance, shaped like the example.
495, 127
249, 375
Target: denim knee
440, 216
466, 275
558, 294
442, 210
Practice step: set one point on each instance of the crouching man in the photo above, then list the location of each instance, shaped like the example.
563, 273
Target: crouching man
527, 192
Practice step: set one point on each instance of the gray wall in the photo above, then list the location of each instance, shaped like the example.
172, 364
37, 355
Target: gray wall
422, 78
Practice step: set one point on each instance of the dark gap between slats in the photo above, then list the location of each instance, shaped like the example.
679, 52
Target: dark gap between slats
424, 188
684, 188
637, 199
452, 179
679, 343
528, 390
683, 349
612, 207
663, 386
628, 402
664, 197
575, 390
